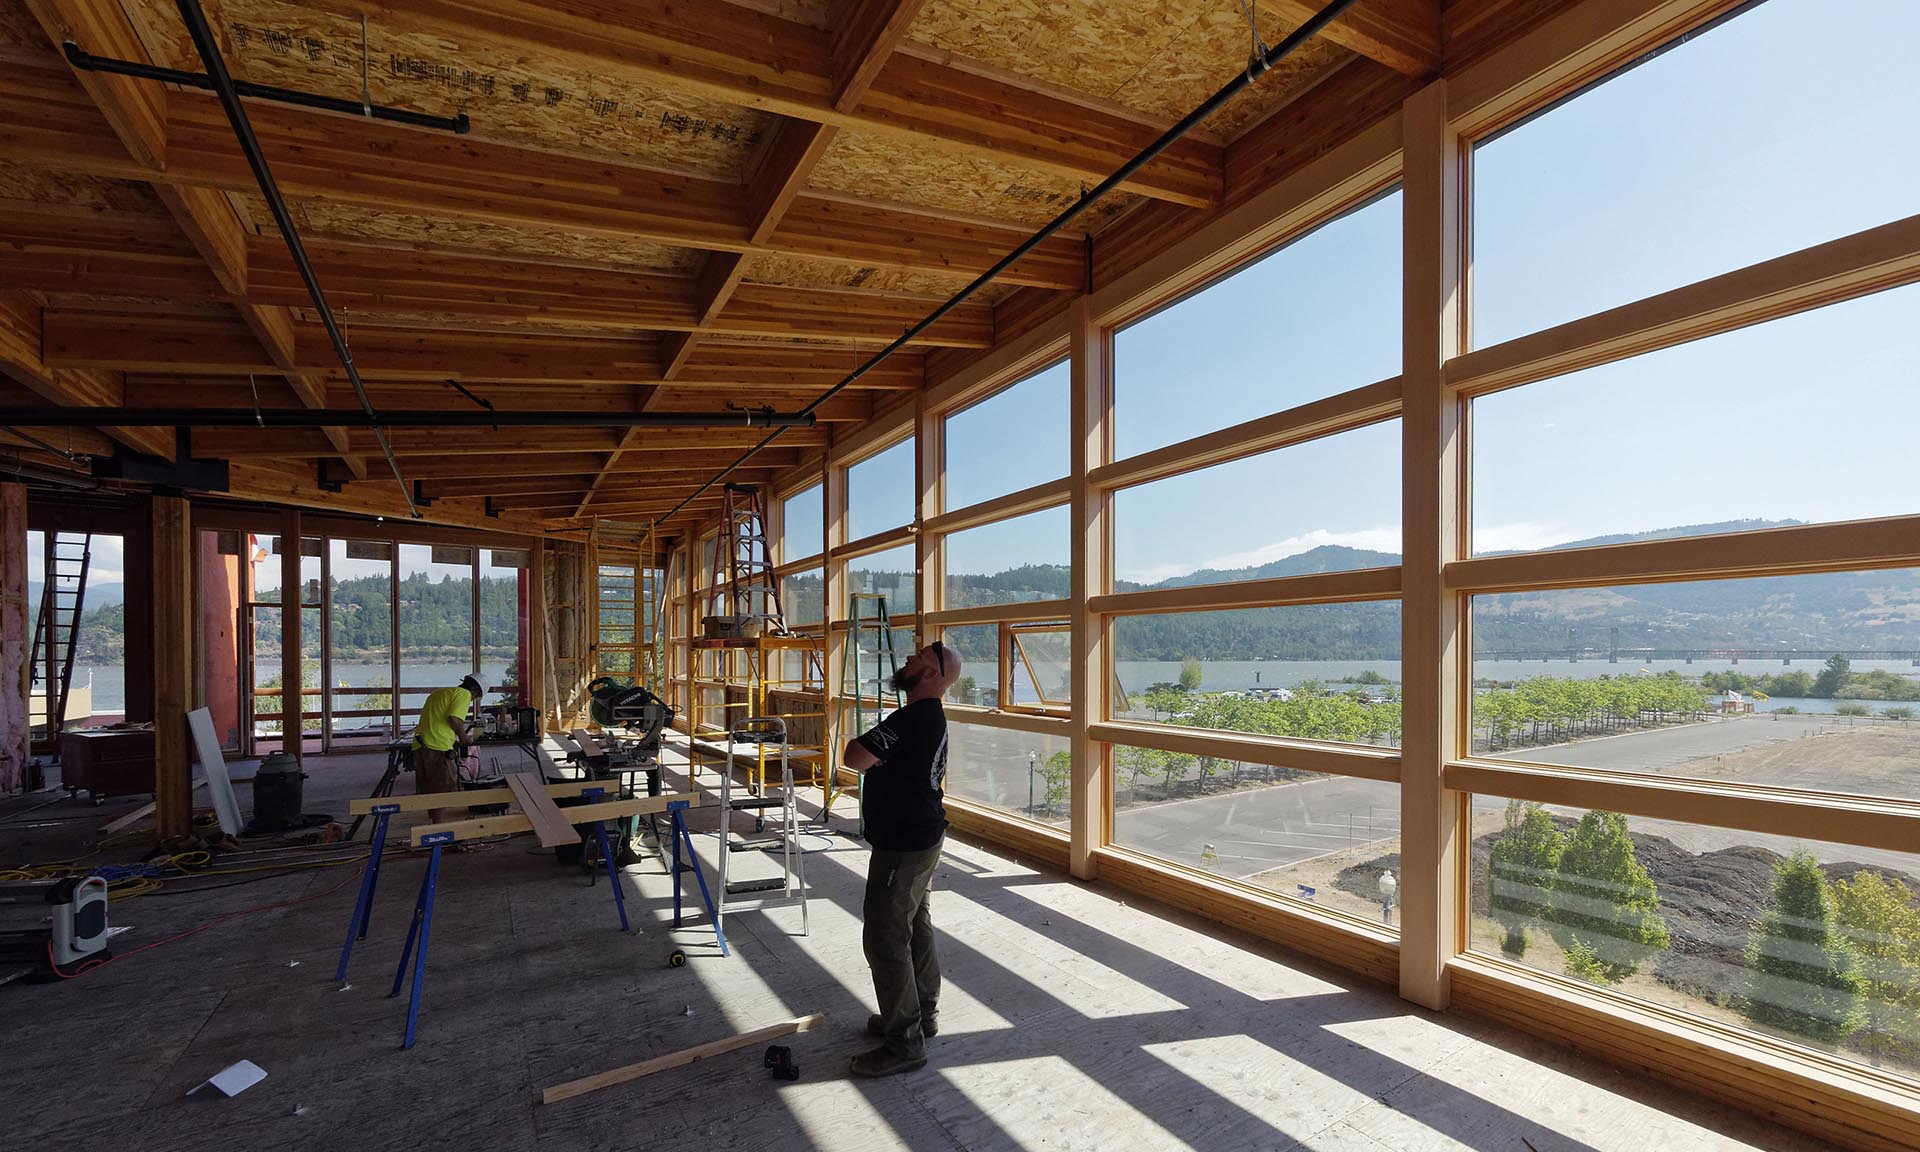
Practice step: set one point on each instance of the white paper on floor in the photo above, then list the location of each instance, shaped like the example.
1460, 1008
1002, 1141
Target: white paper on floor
235, 1078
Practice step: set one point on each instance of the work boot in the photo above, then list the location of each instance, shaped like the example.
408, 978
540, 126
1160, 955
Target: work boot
929, 1024
883, 1061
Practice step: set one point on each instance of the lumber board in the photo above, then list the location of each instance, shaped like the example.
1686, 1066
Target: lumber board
514, 822
141, 813
553, 829
471, 798
685, 1056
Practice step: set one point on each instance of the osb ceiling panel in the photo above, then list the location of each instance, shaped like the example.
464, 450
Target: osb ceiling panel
17, 183
1158, 57
875, 167
329, 220
797, 273
511, 96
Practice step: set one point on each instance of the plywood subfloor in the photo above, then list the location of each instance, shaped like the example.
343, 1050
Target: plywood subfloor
1072, 1019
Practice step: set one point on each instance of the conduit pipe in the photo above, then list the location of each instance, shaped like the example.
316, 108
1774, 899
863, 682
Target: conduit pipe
203, 42
417, 418
1256, 66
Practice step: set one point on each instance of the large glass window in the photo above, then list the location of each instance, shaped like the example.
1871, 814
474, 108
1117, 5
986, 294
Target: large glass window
1804, 941
1333, 841
1014, 439
1316, 317
803, 597
891, 574
801, 518
1785, 681
1326, 505
978, 646
1713, 436
1312, 671
436, 621
1025, 558
1757, 138
881, 491
361, 633
1026, 773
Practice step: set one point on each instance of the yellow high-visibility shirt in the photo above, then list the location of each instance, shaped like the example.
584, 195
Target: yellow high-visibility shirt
433, 731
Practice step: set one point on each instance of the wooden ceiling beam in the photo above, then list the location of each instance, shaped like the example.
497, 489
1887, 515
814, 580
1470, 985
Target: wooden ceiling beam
21, 357
45, 122
138, 112
759, 60
373, 283
463, 466
868, 33
1402, 34
184, 343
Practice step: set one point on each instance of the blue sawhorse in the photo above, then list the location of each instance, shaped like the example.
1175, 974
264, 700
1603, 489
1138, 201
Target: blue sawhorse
363, 907
421, 927
606, 854
677, 810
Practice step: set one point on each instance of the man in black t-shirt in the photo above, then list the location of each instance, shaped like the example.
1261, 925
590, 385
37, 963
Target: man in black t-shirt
905, 761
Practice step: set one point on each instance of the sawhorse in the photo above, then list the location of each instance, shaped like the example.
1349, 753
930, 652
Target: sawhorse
436, 837
676, 810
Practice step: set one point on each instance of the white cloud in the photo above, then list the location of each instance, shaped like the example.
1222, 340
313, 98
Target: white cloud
105, 567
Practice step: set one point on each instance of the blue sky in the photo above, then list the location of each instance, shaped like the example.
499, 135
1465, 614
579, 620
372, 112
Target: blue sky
1782, 128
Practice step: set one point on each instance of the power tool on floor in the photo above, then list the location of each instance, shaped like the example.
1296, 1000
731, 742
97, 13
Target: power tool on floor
50, 927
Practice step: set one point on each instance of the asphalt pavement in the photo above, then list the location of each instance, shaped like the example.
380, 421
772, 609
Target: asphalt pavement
1256, 830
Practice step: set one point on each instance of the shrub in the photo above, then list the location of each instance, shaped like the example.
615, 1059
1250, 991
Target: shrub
1603, 896
1801, 976
1583, 963
1521, 871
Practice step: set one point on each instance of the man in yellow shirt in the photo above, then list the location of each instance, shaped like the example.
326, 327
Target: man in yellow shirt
441, 739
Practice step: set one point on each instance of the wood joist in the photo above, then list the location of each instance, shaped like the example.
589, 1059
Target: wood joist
46, 121
371, 282
213, 342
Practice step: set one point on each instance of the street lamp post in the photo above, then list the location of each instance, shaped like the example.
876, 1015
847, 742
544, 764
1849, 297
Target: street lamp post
1031, 757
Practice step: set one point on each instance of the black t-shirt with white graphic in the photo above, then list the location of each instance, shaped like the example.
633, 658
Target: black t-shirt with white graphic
903, 792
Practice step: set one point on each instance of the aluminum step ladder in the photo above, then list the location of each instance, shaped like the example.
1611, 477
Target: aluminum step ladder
783, 810
56, 629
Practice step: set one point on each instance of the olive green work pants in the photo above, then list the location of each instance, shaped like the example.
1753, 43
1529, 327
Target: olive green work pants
898, 937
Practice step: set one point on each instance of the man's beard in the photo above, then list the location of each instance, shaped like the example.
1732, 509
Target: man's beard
905, 679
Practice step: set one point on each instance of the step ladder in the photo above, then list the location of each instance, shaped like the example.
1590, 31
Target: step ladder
790, 887
56, 629
742, 564
867, 621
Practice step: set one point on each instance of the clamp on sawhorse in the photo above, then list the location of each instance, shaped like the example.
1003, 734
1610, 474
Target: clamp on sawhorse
677, 811
363, 907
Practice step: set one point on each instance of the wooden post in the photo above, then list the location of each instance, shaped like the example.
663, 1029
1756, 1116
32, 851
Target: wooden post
1092, 445
14, 638
1432, 491
534, 692
834, 592
930, 485
172, 664
292, 733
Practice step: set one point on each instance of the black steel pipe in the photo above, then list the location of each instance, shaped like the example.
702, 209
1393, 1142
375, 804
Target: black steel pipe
419, 418
1256, 67
86, 61
203, 42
